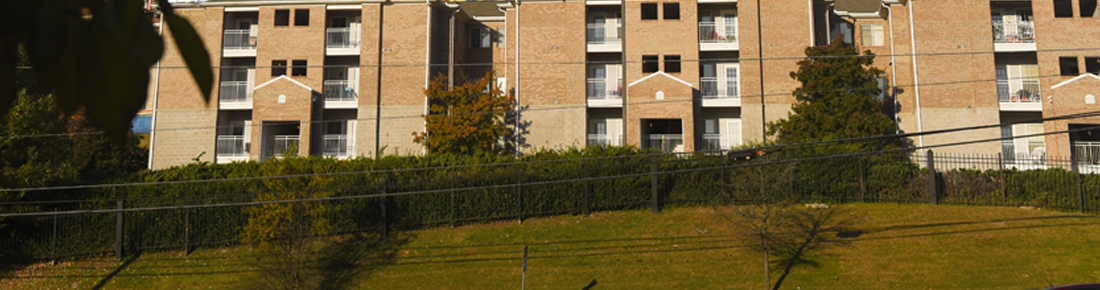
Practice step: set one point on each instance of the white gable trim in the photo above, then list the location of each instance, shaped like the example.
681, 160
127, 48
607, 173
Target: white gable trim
660, 73
282, 77
1075, 79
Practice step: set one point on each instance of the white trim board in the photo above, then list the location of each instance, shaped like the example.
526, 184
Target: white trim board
280, 78
1074, 80
660, 73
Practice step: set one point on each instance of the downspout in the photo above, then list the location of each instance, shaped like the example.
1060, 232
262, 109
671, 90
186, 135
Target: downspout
622, 73
378, 100
451, 52
811, 18
916, 82
427, 68
760, 61
515, 109
828, 27
893, 69
156, 95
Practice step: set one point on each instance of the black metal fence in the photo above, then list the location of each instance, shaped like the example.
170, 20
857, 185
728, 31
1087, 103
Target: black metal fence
450, 196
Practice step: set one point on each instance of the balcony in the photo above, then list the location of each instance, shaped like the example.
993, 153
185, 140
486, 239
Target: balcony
336, 145
665, 142
603, 37
718, 36
283, 143
231, 148
1019, 95
339, 94
713, 142
719, 92
234, 95
342, 41
1011, 36
602, 96
605, 140
1033, 158
239, 43
1087, 152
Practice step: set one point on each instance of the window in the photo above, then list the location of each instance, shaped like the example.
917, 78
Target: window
278, 68
301, 17
672, 63
649, 64
282, 17
672, 10
298, 69
871, 34
839, 29
1092, 65
710, 126
480, 37
1088, 8
1068, 66
649, 11
1063, 8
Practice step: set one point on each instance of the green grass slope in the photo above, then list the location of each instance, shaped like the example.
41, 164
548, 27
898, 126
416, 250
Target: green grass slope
901, 247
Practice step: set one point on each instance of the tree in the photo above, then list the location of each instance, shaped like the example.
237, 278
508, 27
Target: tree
468, 119
93, 55
286, 234
836, 100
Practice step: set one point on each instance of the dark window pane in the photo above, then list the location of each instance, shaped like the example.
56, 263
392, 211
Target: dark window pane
1092, 65
672, 63
672, 10
282, 17
649, 11
649, 64
298, 69
1063, 8
301, 17
1068, 66
1088, 8
278, 68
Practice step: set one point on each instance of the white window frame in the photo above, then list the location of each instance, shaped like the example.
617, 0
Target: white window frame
872, 35
481, 37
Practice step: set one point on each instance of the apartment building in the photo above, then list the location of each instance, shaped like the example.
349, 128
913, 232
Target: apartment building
347, 78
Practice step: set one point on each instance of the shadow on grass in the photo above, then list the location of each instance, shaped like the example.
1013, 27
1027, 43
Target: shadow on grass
130, 260
352, 257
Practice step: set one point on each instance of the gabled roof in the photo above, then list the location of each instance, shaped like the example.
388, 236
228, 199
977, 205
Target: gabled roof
660, 73
282, 77
1075, 79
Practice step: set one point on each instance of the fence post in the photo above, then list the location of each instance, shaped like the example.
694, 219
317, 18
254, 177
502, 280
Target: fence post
450, 174
586, 189
653, 183
1077, 173
519, 194
118, 232
187, 232
53, 240
1000, 168
862, 181
933, 182
382, 206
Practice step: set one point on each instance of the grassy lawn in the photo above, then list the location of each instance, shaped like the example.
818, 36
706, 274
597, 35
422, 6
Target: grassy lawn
901, 246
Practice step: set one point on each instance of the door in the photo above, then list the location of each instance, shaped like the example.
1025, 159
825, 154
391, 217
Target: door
727, 26
732, 138
597, 81
247, 137
613, 80
728, 80
615, 132
351, 137
598, 29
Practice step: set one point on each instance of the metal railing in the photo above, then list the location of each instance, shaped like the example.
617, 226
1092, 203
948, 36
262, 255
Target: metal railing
1018, 91
1013, 32
598, 33
1087, 152
339, 90
604, 140
335, 145
1036, 153
665, 142
234, 91
597, 90
341, 38
238, 39
231, 146
282, 143
708, 87
709, 32
713, 142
